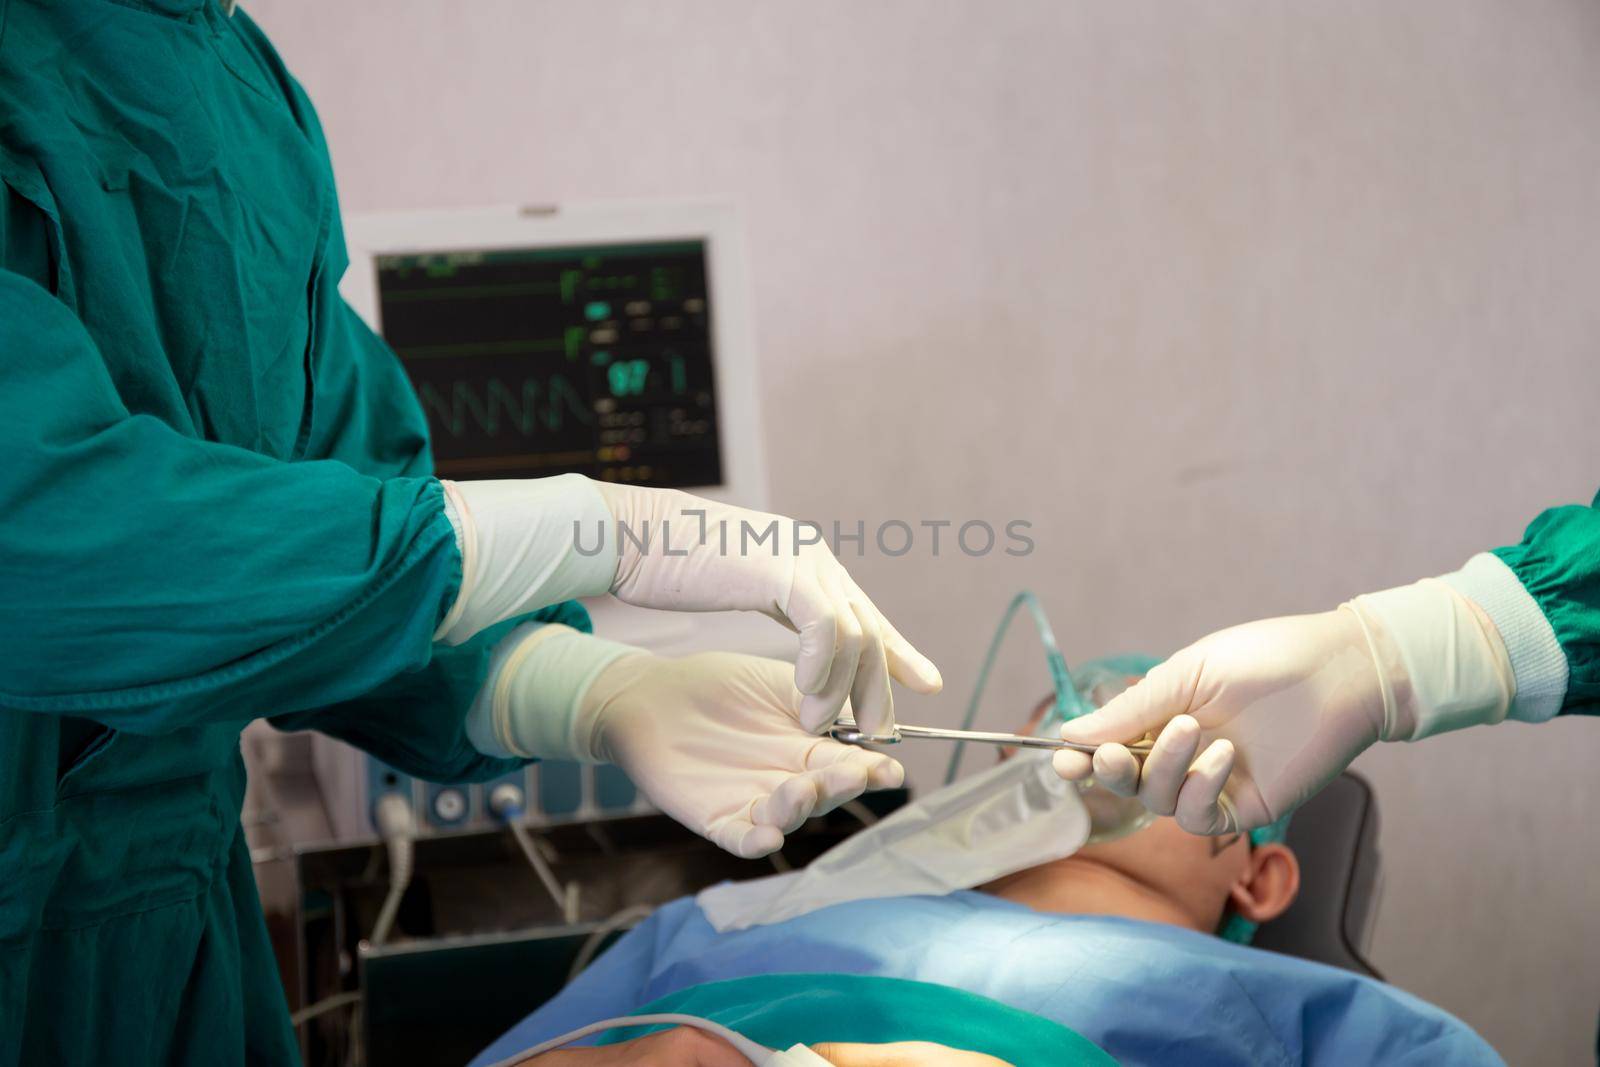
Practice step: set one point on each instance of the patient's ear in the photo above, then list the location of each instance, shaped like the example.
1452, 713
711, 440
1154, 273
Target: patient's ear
1268, 885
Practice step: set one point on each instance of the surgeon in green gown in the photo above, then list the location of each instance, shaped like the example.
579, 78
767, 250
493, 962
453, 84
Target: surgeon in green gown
218, 506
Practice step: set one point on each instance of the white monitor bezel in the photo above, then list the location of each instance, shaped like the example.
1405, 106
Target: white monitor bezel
716, 223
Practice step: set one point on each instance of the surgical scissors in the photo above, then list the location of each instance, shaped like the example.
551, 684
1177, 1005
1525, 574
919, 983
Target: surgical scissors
848, 732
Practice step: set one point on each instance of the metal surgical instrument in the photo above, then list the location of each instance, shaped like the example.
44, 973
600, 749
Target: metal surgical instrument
848, 732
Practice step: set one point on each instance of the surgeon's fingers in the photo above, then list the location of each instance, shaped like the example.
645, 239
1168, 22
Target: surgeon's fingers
812, 614
869, 693
820, 790
778, 679
758, 828
1167, 765
789, 805
1143, 708
1201, 808
883, 772
1117, 769
744, 839
838, 785
1073, 766
843, 772
906, 665
822, 707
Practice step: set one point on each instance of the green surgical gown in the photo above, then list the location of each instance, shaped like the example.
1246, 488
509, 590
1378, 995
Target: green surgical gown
218, 506
1558, 563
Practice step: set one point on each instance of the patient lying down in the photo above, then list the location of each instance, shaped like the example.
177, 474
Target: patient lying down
1109, 951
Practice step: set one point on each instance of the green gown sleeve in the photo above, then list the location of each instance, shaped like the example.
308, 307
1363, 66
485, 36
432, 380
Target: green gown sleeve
1558, 563
153, 581
415, 721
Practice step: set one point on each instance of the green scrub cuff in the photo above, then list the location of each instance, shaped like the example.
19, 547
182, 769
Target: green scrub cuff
1537, 661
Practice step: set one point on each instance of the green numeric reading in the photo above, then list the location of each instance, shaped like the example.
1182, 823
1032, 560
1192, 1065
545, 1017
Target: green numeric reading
628, 376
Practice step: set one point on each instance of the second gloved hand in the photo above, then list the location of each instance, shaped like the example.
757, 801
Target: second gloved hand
713, 739
1251, 721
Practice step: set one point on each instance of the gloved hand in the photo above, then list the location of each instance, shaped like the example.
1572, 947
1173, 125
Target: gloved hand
713, 739
528, 544
706, 556
1251, 721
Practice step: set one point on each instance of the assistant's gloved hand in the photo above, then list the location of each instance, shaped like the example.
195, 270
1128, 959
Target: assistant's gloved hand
528, 544
706, 556
713, 739
1251, 721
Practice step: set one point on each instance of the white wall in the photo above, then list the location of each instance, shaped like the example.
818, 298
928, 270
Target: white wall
1248, 307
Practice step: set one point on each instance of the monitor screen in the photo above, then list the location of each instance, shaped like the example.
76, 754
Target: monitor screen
534, 362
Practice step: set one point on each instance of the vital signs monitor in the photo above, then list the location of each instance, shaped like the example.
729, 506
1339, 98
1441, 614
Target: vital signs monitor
610, 341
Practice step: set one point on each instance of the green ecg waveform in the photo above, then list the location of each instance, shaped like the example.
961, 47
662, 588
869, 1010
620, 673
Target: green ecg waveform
540, 404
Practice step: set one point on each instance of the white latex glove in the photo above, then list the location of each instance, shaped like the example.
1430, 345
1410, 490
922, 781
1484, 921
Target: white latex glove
1251, 721
525, 544
715, 741
704, 556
